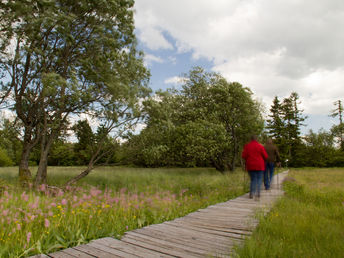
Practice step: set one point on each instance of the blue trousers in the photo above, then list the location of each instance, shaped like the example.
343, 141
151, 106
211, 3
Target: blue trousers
268, 174
256, 182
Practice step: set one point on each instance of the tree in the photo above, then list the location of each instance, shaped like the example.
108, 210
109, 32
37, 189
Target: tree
203, 124
285, 125
275, 125
338, 130
69, 57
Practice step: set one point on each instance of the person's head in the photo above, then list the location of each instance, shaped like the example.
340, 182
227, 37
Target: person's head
269, 141
254, 137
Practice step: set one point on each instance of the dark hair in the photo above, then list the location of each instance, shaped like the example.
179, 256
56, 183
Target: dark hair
254, 137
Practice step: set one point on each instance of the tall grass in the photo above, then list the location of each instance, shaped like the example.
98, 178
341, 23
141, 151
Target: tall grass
108, 202
307, 222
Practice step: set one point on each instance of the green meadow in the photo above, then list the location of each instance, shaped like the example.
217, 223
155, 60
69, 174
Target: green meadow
108, 202
307, 222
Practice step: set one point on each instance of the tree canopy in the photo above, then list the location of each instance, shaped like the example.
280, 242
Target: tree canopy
59, 58
205, 123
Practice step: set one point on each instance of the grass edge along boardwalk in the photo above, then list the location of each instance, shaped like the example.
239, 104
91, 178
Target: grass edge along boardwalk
212, 231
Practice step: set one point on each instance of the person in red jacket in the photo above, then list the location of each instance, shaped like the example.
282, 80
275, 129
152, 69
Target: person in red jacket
255, 156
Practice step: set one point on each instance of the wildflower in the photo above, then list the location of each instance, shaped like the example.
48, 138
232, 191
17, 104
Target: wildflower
42, 187
64, 202
46, 223
53, 204
24, 196
18, 227
28, 237
5, 212
50, 213
126, 227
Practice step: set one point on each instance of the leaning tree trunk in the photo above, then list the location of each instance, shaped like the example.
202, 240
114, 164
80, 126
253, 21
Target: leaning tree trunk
94, 159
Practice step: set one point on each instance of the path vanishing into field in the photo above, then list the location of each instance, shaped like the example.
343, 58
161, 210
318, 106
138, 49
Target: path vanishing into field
209, 232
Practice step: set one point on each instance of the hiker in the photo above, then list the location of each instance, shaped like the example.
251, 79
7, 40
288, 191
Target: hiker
273, 159
255, 157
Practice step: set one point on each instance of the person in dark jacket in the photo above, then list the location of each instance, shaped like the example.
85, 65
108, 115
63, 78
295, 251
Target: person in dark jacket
255, 157
273, 159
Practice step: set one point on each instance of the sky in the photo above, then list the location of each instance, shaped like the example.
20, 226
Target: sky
273, 47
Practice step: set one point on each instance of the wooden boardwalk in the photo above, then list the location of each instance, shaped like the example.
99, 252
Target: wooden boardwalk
210, 232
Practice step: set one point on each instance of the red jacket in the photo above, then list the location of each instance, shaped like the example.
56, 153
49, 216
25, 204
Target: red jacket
254, 155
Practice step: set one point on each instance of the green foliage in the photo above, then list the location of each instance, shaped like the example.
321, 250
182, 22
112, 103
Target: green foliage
9, 140
5, 159
203, 124
284, 126
70, 57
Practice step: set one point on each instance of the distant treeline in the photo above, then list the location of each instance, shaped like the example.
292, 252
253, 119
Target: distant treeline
205, 123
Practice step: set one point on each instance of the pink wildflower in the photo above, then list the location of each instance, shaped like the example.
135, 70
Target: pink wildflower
18, 227
42, 187
64, 202
46, 223
50, 213
5, 212
53, 204
28, 237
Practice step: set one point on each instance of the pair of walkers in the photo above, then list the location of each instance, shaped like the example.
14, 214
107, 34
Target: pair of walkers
260, 162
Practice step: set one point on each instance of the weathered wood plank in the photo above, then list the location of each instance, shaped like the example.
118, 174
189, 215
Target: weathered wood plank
167, 243
129, 248
112, 251
174, 236
70, 252
152, 246
234, 235
217, 241
93, 251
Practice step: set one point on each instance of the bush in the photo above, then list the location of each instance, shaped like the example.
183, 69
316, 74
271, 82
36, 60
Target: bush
5, 160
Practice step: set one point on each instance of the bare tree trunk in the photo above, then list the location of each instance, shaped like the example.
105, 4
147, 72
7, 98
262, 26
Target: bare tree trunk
24, 171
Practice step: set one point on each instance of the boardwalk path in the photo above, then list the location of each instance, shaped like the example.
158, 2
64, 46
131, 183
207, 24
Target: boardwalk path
207, 232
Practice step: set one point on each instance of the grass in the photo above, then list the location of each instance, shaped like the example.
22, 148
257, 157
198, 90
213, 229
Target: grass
108, 202
307, 222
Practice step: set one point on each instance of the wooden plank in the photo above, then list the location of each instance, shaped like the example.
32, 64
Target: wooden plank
212, 231
237, 224
133, 250
69, 252
152, 246
218, 241
218, 226
93, 251
175, 237
168, 243
112, 251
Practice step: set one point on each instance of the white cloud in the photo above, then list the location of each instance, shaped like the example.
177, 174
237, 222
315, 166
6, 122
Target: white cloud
175, 80
273, 47
149, 59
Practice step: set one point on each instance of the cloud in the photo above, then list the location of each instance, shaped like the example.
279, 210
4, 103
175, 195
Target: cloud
149, 59
175, 80
273, 47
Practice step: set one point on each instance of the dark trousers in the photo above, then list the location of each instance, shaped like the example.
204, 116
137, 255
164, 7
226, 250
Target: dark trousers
256, 182
268, 174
